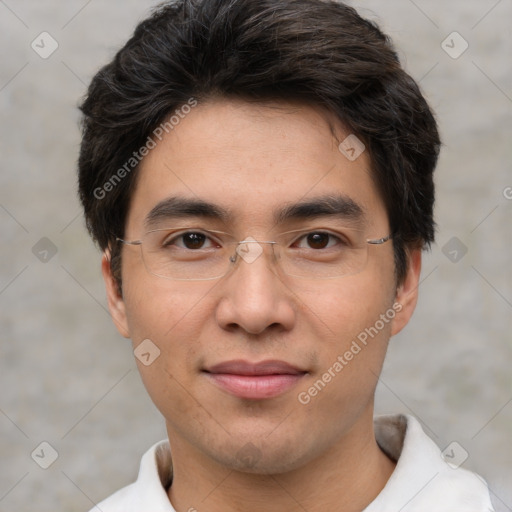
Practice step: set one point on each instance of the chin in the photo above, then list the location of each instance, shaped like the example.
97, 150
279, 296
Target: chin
263, 457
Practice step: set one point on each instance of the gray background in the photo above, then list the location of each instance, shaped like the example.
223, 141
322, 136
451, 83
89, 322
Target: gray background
69, 379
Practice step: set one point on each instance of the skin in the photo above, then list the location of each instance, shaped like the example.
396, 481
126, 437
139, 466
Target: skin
251, 159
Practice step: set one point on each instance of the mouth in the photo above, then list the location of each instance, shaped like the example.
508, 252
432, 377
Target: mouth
255, 381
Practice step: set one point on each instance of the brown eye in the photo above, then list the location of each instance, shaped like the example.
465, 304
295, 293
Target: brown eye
193, 240
318, 240
190, 240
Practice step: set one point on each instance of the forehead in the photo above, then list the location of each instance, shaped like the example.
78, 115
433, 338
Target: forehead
255, 162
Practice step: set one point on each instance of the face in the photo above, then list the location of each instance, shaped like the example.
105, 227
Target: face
252, 161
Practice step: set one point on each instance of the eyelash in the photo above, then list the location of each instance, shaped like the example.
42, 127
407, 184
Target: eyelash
171, 241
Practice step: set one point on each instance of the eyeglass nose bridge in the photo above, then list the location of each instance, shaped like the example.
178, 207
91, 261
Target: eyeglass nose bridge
250, 250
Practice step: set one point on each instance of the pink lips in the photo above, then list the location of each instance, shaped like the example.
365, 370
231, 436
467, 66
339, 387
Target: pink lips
255, 381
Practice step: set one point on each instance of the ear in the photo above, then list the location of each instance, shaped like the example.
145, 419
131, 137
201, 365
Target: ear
115, 300
407, 293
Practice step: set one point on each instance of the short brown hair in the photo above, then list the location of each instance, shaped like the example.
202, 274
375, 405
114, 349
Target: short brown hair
317, 51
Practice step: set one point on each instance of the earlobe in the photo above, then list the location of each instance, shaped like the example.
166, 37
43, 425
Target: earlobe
115, 300
407, 293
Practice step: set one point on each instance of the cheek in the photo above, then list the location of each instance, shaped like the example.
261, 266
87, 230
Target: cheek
170, 317
170, 314
342, 308
354, 319
157, 307
349, 362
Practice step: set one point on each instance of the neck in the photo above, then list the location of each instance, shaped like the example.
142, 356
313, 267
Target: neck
348, 477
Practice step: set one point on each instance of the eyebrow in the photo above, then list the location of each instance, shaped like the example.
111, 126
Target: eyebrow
340, 206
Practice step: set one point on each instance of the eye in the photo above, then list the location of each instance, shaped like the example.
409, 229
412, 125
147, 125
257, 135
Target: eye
319, 240
191, 240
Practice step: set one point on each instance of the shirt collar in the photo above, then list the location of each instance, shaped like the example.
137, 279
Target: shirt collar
421, 478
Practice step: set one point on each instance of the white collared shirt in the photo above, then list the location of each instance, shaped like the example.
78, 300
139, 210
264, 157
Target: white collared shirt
421, 482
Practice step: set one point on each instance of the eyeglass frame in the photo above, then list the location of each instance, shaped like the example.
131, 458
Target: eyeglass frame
233, 258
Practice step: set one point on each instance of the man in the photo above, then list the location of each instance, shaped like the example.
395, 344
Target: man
259, 177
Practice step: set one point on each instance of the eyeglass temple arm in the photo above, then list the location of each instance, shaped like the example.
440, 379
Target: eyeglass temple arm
379, 241
133, 242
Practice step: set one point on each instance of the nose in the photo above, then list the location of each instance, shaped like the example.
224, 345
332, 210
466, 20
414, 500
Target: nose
254, 295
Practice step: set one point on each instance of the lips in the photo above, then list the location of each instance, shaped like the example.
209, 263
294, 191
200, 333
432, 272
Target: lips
254, 381
270, 367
